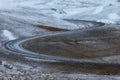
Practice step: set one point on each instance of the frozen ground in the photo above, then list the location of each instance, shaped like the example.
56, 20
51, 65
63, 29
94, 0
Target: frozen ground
19, 17
26, 13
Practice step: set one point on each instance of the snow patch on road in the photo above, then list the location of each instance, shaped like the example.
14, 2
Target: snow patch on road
8, 35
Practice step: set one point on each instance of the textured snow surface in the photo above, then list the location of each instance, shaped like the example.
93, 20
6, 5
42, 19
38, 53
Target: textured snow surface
98, 9
113, 16
8, 35
77, 9
18, 17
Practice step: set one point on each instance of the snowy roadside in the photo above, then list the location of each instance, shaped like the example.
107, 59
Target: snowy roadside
18, 71
17, 20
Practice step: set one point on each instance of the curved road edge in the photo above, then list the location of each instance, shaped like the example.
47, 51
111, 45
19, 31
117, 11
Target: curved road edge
15, 47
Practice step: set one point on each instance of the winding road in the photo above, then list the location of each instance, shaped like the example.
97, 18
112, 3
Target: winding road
87, 45
14, 46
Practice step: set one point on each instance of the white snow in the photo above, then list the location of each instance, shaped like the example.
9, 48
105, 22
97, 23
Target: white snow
98, 9
49, 12
8, 4
8, 35
106, 21
113, 16
57, 9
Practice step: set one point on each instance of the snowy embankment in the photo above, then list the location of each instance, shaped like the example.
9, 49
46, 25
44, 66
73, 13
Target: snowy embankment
8, 35
51, 12
29, 11
17, 18
103, 11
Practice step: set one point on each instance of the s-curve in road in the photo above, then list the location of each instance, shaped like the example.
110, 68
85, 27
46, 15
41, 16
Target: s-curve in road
16, 46
85, 49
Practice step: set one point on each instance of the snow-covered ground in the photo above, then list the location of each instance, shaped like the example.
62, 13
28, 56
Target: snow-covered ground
103, 10
8, 35
18, 17
53, 11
